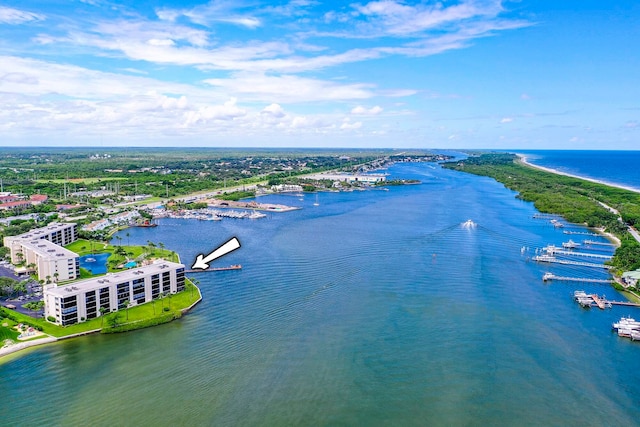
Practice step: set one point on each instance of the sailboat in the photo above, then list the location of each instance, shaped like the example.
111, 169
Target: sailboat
316, 203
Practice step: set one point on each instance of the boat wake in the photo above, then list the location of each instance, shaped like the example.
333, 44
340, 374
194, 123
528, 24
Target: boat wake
468, 224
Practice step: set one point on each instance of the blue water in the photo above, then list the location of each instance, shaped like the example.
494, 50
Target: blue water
130, 264
615, 167
373, 308
99, 266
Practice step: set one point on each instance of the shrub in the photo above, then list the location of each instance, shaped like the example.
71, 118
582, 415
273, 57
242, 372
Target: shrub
51, 319
166, 309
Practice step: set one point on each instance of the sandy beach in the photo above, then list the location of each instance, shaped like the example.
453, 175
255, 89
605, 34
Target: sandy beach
4, 351
523, 159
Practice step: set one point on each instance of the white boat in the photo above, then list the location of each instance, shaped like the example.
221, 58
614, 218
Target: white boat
316, 203
570, 244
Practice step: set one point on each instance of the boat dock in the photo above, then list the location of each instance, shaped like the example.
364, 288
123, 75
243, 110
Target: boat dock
553, 250
550, 276
591, 242
584, 233
209, 270
552, 259
587, 300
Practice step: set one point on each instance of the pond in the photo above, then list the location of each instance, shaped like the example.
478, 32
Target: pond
95, 263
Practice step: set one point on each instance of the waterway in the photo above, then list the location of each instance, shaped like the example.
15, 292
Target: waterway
373, 308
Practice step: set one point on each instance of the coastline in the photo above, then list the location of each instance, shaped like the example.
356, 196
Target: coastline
523, 159
48, 339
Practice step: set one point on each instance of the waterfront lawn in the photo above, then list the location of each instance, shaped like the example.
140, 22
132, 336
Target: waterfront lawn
145, 312
86, 247
8, 333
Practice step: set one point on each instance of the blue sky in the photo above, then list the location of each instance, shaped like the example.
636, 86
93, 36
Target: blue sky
450, 74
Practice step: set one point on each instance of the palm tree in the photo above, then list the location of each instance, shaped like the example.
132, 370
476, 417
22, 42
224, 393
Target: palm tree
128, 235
119, 239
126, 304
48, 279
102, 312
55, 276
161, 298
194, 283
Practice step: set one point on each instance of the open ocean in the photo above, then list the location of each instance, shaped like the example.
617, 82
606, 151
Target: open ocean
614, 167
373, 308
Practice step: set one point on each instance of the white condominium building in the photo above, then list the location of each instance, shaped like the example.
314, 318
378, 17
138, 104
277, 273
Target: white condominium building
59, 233
42, 249
82, 300
52, 262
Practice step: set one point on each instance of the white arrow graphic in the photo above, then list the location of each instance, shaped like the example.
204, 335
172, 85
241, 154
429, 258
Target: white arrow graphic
202, 262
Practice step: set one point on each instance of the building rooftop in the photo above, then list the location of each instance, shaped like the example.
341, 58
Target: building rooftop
36, 233
47, 249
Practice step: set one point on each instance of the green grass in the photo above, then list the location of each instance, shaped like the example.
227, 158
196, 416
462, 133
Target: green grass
151, 310
7, 332
87, 247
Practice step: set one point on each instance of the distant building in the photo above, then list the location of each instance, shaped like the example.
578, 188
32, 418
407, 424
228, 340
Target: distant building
42, 247
15, 205
37, 199
83, 299
350, 178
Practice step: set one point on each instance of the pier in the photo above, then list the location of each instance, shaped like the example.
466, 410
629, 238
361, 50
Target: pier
584, 233
552, 250
551, 259
209, 270
591, 242
587, 300
550, 276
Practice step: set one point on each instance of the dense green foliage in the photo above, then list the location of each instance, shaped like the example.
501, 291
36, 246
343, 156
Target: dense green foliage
10, 287
237, 195
577, 200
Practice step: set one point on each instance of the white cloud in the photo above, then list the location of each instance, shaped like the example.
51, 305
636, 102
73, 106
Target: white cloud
360, 110
161, 42
213, 12
506, 120
273, 110
348, 125
9, 15
290, 88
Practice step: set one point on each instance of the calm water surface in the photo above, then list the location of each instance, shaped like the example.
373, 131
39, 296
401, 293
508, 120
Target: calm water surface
373, 308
